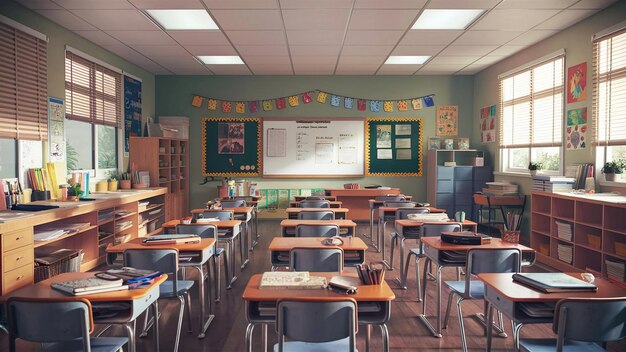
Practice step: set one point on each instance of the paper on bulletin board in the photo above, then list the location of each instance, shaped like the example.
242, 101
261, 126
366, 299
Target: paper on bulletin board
56, 129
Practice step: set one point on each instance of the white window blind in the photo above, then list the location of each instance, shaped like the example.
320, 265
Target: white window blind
531, 106
92, 92
23, 85
609, 95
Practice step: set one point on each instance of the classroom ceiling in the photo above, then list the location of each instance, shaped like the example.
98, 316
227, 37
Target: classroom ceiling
316, 37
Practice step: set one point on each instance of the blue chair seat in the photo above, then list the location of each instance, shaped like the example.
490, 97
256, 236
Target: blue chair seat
167, 288
549, 345
98, 344
477, 288
299, 346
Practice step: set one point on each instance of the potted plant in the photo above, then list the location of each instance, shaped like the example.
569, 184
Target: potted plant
74, 191
533, 167
112, 181
611, 168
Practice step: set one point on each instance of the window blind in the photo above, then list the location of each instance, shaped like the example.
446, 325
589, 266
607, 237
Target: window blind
609, 94
92, 92
23, 85
531, 106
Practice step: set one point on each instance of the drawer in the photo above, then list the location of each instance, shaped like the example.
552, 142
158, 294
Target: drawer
17, 258
444, 199
463, 199
445, 186
16, 239
463, 187
17, 278
463, 173
445, 172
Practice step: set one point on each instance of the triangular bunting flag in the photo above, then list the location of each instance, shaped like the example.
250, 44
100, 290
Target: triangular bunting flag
347, 103
240, 107
197, 101
212, 104
293, 101
403, 105
267, 105
253, 106
281, 103
388, 106
227, 106
321, 97
335, 100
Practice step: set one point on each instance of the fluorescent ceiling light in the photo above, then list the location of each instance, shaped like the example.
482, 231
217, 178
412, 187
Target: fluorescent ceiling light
183, 19
406, 60
221, 60
446, 19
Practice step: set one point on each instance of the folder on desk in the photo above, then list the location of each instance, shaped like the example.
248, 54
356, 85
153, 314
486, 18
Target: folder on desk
553, 282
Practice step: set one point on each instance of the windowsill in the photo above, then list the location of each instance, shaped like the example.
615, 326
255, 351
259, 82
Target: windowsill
613, 183
514, 174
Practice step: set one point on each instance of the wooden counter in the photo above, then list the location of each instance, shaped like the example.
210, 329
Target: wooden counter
357, 200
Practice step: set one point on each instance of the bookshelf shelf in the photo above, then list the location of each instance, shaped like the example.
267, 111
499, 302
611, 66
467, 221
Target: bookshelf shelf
45, 243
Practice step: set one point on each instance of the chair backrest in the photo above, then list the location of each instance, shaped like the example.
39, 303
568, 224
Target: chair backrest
202, 230
317, 321
400, 204
233, 203
591, 319
391, 198
315, 198
317, 230
314, 204
435, 229
500, 260
316, 259
220, 214
316, 215
403, 213
163, 260
48, 320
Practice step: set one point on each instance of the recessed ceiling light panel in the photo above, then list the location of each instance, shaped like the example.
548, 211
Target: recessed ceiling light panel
221, 60
446, 19
406, 60
183, 19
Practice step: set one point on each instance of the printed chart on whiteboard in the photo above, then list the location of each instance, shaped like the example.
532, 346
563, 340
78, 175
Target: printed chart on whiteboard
313, 147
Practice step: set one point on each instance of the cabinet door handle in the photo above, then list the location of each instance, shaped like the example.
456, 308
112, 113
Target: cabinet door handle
18, 238
19, 278
18, 258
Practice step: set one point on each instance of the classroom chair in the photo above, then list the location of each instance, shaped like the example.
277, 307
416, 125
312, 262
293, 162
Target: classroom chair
506, 260
391, 198
390, 218
329, 325
315, 198
426, 230
165, 261
233, 203
316, 259
209, 231
316, 215
317, 230
314, 204
402, 214
580, 322
222, 215
57, 325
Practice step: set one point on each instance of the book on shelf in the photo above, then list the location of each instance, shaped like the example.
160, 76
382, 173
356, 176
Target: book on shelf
172, 239
299, 280
553, 282
90, 285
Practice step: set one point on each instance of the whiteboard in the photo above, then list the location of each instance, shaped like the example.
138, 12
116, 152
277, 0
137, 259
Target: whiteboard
313, 147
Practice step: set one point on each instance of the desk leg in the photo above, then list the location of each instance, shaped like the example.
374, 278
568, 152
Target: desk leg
231, 277
382, 246
403, 271
378, 231
203, 300
130, 331
489, 331
371, 225
368, 337
249, 331
435, 331
243, 244
255, 222
155, 337
385, 332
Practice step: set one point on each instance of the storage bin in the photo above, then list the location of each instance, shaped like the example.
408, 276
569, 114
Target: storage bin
57, 262
174, 126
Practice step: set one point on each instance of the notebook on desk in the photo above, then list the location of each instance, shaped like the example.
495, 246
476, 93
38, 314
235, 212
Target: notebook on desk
553, 282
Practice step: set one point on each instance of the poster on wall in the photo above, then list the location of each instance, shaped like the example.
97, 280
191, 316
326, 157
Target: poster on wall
56, 129
577, 83
576, 129
447, 120
132, 110
488, 124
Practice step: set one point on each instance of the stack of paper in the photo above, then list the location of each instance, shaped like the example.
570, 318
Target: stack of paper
616, 270
89, 286
564, 230
565, 253
501, 188
120, 226
48, 235
291, 280
433, 217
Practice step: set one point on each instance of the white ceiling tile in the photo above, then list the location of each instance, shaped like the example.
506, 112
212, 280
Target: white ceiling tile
161, 50
94, 4
271, 69
507, 50
372, 37
536, 4
241, 4
314, 60
347, 69
420, 37
167, 4
462, 4
532, 37
488, 60
513, 19
262, 50
149, 65
398, 69
316, 19
40, 4
199, 37
130, 54
366, 49
256, 37
462, 50
317, 4
267, 60
389, 4
192, 71
116, 20
230, 69
317, 37
67, 20
593, 4
98, 37
565, 19
382, 19
196, 50
248, 19
314, 69
453, 60
412, 50
486, 37
177, 61
328, 50
361, 60
433, 67
142, 37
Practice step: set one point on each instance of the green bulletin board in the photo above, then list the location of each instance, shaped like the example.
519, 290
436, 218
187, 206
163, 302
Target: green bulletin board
231, 146
393, 146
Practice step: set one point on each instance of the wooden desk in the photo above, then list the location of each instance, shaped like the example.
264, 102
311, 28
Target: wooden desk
139, 300
356, 199
435, 252
353, 249
374, 303
255, 214
200, 253
373, 205
506, 295
333, 204
288, 226
230, 229
340, 213
329, 198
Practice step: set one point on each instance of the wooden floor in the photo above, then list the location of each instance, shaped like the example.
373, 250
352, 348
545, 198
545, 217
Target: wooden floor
407, 333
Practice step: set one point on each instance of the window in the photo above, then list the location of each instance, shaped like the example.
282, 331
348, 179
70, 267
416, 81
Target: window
8, 161
93, 99
531, 112
609, 103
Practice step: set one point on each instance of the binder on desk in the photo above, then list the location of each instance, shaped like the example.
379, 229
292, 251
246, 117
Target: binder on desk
553, 282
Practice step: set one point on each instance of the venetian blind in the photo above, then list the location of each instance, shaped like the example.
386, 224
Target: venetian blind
92, 91
531, 106
23, 85
609, 94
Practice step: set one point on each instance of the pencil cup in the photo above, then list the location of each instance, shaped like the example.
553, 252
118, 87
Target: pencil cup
510, 236
125, 184
26, 195
459, 216
40, 195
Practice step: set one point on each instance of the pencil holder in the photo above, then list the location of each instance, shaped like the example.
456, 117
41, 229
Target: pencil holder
125, 184
510, 236
40, 195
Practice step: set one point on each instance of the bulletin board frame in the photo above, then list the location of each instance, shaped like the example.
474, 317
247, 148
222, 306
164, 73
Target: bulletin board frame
231, 146
381, 146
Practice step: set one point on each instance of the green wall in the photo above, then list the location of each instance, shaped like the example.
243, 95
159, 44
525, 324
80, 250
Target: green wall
174, 94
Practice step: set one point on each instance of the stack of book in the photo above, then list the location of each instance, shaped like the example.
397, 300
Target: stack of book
616, 270
579, 173
89, 286
431, 217
172, 239
564, 230
291, 280
370, 275
121, 226
501, 189
565, 253
553, 183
